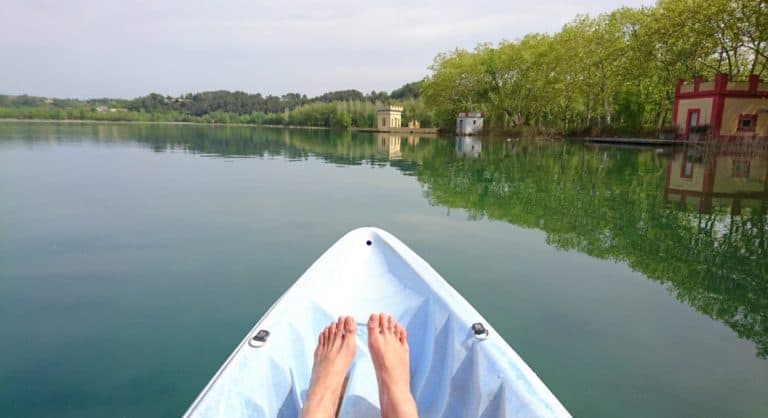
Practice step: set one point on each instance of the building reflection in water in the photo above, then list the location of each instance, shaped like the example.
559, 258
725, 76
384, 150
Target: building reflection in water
724, 176
468, 146
388, 145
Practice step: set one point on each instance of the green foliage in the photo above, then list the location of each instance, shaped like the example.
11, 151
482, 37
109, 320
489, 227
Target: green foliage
339, 109
407, 91
617, 69
341, 119
343, 95
629, 108
700, 129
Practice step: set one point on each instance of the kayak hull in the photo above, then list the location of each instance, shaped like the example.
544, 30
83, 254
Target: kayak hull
455, 371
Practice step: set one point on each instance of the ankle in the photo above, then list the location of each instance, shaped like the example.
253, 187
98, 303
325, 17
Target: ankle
399, 404
320, 402
323, 390
395, 395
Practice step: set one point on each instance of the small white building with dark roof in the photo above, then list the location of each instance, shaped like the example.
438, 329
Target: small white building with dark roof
469, 123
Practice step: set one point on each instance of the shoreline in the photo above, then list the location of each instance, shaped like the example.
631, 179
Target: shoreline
405, 131
427, 131
137, 122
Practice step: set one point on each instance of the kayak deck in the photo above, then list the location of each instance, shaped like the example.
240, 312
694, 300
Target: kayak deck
454, 373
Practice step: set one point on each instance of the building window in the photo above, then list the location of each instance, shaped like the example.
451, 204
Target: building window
474, 122
687, 171
687, 167
740, 169
383, 121
747, 123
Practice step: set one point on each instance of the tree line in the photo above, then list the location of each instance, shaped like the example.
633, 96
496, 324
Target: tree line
613, 71
344, 108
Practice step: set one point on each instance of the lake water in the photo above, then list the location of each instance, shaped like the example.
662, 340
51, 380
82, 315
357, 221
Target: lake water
133, 258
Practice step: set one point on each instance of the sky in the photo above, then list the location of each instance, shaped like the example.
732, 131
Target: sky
129, 48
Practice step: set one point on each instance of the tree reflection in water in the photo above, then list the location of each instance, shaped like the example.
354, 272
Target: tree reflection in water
693, 219
700, 230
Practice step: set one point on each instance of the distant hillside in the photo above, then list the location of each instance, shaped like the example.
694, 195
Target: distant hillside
337, 109
203, 103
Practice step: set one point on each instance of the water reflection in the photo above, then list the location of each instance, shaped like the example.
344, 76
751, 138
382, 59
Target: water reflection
388, 146
610, 203
468, 146
693, 220
735, 178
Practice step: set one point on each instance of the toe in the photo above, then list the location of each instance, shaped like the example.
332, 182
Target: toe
323, 339
329, 339
400, 333
373, 322
339, 325
349, 325
382, 322
390, 323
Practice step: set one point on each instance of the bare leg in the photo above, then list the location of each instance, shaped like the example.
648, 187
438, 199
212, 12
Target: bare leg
333, 356
387, 341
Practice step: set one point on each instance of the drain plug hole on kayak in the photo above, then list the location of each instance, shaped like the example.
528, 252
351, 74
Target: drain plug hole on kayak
368, 243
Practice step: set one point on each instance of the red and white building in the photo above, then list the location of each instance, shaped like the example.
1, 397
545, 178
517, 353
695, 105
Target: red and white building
733, 109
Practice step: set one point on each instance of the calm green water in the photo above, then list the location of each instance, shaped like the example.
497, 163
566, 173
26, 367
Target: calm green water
134, 258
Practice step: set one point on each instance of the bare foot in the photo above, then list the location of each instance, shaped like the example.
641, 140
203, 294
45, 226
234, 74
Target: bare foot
387, 341
333, 356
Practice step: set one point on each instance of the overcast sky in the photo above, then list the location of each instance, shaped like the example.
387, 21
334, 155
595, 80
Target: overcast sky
128, 48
